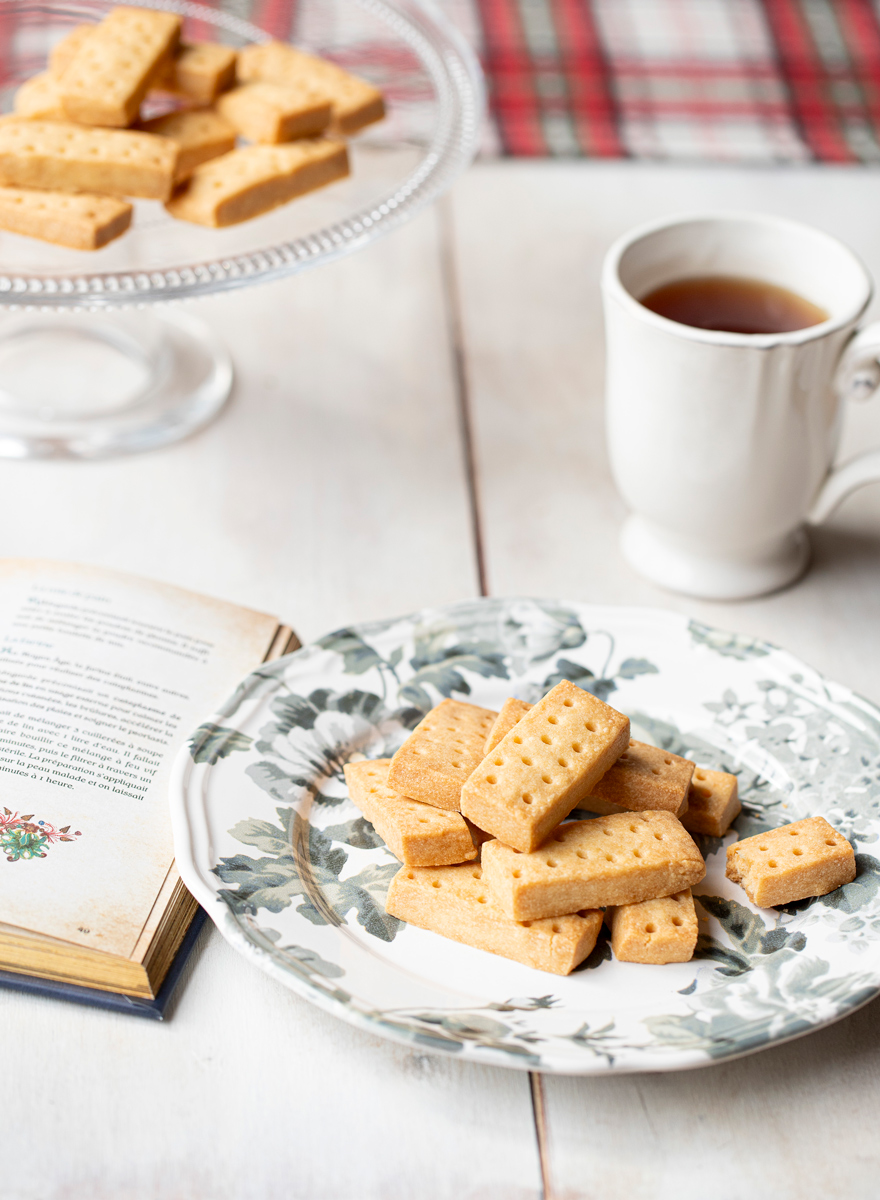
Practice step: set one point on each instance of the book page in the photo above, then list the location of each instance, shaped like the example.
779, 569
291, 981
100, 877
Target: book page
103, 676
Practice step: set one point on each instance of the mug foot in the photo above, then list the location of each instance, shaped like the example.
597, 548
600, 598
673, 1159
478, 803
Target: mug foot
666, 561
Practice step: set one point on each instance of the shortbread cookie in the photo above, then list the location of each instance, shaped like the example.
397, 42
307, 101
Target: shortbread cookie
454, 902
808, 858
645, 778
418, 834
113, 67
713, 802
70, 158
265, 112
440, 753
201, 71
605, 861
655, 931
63, 53
39, 98
511, 711
642, 778
544, 767
200, 135
81, 221
251, 181
356, 103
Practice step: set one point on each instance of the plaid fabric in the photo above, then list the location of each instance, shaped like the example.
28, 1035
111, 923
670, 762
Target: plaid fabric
718, 80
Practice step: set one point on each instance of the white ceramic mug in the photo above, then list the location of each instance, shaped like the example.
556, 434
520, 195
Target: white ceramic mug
722, 444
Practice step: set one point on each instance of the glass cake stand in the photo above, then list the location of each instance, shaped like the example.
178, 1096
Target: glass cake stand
96, 358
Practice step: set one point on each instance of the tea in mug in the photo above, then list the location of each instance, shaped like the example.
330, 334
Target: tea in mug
732, 304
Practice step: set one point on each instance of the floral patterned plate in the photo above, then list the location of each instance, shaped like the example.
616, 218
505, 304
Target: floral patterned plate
269, 843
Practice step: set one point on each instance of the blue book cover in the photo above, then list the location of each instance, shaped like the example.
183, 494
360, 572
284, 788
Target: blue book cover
134, 1006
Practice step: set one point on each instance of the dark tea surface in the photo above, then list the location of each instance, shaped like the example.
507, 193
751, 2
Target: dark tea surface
733, 305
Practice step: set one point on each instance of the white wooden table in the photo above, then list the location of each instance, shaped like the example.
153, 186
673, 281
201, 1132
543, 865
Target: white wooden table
409, 426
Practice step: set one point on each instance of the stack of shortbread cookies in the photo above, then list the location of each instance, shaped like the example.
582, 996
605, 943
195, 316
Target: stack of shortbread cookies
474, 803
76, 150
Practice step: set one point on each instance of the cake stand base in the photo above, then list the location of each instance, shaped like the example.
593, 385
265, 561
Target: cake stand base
95, 385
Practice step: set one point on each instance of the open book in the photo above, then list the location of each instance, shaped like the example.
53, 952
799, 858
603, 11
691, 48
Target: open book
102, 678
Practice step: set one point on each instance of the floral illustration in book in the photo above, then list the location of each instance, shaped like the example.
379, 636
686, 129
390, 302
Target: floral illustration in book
23, 837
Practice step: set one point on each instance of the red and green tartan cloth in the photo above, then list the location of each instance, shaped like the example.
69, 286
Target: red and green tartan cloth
711, 80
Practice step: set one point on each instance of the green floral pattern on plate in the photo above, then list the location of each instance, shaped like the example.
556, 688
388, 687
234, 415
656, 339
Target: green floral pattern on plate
296, 879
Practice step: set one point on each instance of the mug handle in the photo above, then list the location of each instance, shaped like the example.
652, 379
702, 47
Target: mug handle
857, 378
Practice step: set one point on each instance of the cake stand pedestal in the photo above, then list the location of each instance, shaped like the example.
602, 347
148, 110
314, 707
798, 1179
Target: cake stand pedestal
87, 386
